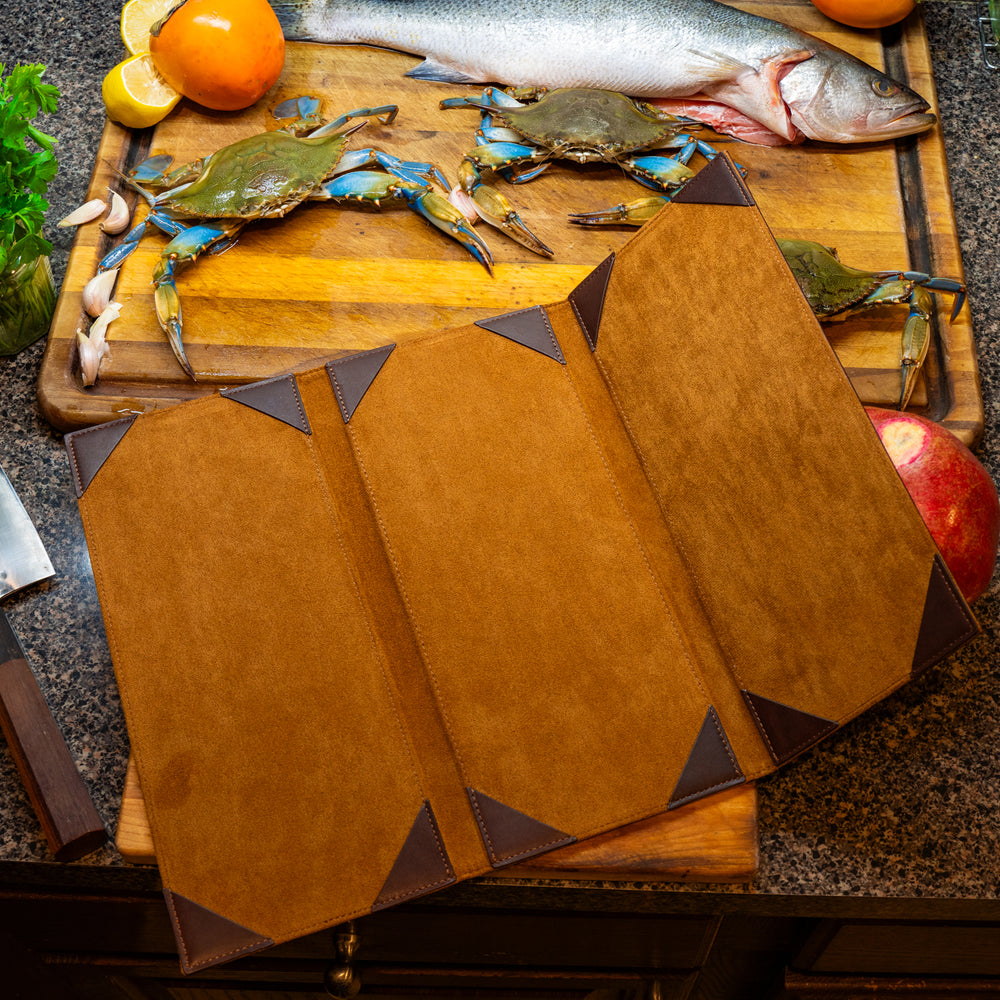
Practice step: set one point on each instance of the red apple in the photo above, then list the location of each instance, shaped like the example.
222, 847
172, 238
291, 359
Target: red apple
952, 490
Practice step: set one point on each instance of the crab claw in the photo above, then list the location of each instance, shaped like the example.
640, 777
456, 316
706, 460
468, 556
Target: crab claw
632, 213
915, 342
442, 213
496, 209
168, 312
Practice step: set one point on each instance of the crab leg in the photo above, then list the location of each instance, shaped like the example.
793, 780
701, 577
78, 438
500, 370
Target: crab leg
631, 213
372, 186
184, 248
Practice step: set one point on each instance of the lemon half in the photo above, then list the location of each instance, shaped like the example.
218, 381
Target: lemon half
138, 16
135, 95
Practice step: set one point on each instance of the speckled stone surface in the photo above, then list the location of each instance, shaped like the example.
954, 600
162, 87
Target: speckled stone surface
903, 803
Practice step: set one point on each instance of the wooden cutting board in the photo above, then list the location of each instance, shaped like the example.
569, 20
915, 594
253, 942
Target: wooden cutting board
711, 840
328, 278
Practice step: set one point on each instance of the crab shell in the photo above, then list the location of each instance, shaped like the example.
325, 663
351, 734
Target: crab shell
261, 177
589, 124
831, 287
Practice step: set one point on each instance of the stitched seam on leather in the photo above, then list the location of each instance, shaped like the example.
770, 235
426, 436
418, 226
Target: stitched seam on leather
739, 182
409, 606
545, 320
801, 745
508, 858
355, 585
262, 942
699, 792
940, 653
81, 489
445, 860
591, 278
725, 740
714, 716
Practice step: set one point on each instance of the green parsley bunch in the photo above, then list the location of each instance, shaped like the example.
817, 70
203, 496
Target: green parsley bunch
27, 164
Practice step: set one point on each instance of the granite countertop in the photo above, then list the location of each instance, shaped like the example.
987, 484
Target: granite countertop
902, 803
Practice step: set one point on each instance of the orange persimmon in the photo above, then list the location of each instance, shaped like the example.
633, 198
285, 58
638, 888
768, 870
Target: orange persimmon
223, 54
865, 13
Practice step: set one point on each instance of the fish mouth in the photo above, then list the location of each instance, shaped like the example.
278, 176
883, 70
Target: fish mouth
908, 122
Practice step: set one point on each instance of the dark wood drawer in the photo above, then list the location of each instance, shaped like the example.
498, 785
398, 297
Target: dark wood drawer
912, 948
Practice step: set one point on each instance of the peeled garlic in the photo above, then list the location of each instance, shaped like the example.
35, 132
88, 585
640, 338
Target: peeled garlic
85, 213
94, 348
98, 291
100, 325
90, 358
118, 214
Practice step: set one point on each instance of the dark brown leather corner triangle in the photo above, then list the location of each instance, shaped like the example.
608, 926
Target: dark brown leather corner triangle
530, 327
786, 731
947, 621
277, 397
711, 765
510, 835
421, 866
206, 939
717, 183
351, 376
587, 299
90, 448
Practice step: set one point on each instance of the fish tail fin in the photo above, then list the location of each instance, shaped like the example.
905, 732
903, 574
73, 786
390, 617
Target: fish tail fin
431, 69
291, 16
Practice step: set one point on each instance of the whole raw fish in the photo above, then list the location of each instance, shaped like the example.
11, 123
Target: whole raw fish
736, 66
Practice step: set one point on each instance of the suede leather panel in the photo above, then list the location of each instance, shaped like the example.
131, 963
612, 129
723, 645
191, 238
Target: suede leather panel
810, 559
526, 583
253, 685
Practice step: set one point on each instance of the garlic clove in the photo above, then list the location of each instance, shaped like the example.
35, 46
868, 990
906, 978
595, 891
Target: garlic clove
118, 214
99, 327
90, 358
98, 291
85, 213
93, 349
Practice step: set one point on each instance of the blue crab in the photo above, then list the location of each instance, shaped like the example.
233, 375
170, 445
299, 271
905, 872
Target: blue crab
523, 130
204, 205
835, 290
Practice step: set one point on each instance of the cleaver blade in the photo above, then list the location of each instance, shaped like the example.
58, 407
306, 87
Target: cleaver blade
23, 560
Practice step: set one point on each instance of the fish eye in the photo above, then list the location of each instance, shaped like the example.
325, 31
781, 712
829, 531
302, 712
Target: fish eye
884, 87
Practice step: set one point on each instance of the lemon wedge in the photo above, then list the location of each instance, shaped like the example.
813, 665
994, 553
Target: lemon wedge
138, 16
135, 95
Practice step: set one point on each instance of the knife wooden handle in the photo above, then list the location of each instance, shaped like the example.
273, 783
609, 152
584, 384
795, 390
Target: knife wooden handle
60, 798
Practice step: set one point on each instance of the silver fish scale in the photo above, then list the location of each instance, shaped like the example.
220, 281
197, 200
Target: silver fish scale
673, 46
645, 48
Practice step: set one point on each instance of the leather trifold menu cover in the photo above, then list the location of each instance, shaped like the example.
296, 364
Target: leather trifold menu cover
433, 608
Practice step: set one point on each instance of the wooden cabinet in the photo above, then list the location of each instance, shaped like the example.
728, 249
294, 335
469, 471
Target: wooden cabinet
101, 941
126, 941
887, 958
